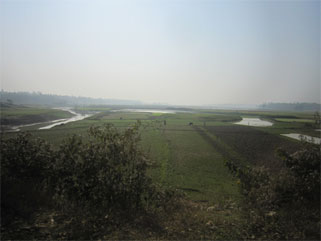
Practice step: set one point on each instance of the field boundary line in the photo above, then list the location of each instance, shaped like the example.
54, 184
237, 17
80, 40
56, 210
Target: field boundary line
225, 150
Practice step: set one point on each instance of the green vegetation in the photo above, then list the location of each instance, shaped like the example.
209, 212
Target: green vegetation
285, 205
13, 115
294, 120
192, 194
87, 183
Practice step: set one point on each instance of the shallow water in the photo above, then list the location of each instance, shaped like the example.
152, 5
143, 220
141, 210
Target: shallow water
18, 128
147, 111
299, 137
254, 122
77, 117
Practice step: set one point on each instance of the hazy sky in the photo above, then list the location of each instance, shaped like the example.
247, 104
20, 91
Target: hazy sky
178, 52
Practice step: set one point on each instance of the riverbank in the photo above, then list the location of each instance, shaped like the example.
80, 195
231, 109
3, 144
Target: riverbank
16, 118
13, 117
76, 117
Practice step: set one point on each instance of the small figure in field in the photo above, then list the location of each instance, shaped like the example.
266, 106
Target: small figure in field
121, 118
191, 123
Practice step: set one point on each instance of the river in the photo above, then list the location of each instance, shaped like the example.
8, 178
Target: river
76, 117
51, 124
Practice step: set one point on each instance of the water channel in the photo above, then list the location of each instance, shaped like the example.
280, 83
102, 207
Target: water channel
76, 117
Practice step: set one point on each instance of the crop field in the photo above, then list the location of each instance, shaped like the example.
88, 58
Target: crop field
294, 120
188, 150
254, 145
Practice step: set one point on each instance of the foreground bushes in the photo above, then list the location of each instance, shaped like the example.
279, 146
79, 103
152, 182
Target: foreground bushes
25, 166
88, 179
105, 173
285, 205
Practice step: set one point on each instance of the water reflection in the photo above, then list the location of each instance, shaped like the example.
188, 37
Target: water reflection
254, 122
77, 117
306, 138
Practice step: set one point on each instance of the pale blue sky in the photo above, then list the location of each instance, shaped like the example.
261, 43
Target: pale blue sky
177, 52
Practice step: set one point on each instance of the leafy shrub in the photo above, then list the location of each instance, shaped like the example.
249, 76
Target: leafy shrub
90, 181
286, 205
107, 172
25, 165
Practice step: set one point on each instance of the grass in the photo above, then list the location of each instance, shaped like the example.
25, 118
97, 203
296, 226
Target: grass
294, 120
21, 115
256, 146
184, 160
191, 158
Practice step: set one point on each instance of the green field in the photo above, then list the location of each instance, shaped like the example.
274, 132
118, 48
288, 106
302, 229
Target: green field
13, 115
294, 120
188, 157
188, 151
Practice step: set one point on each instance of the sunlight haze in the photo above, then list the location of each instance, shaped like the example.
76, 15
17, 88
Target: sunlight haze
173, 52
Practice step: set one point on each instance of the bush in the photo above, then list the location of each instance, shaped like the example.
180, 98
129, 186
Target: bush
106, 173
25, 165
286, 205
90, 181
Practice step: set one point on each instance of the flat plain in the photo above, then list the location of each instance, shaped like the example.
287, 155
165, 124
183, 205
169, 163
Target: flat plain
189, 150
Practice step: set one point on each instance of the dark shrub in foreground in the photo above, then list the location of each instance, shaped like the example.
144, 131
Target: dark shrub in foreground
88, 183
286, 205
106, 172
25, 165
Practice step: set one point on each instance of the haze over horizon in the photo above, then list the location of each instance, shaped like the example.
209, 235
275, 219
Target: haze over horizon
175, 52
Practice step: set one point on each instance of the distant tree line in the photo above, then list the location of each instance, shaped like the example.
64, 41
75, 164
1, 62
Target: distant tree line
291, 106
37, 98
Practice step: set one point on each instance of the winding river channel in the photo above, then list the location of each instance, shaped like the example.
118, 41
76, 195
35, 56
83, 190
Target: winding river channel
76, 117
256, 122
51, 124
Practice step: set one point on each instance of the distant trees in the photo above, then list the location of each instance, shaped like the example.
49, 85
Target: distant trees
291, 106
36, 98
